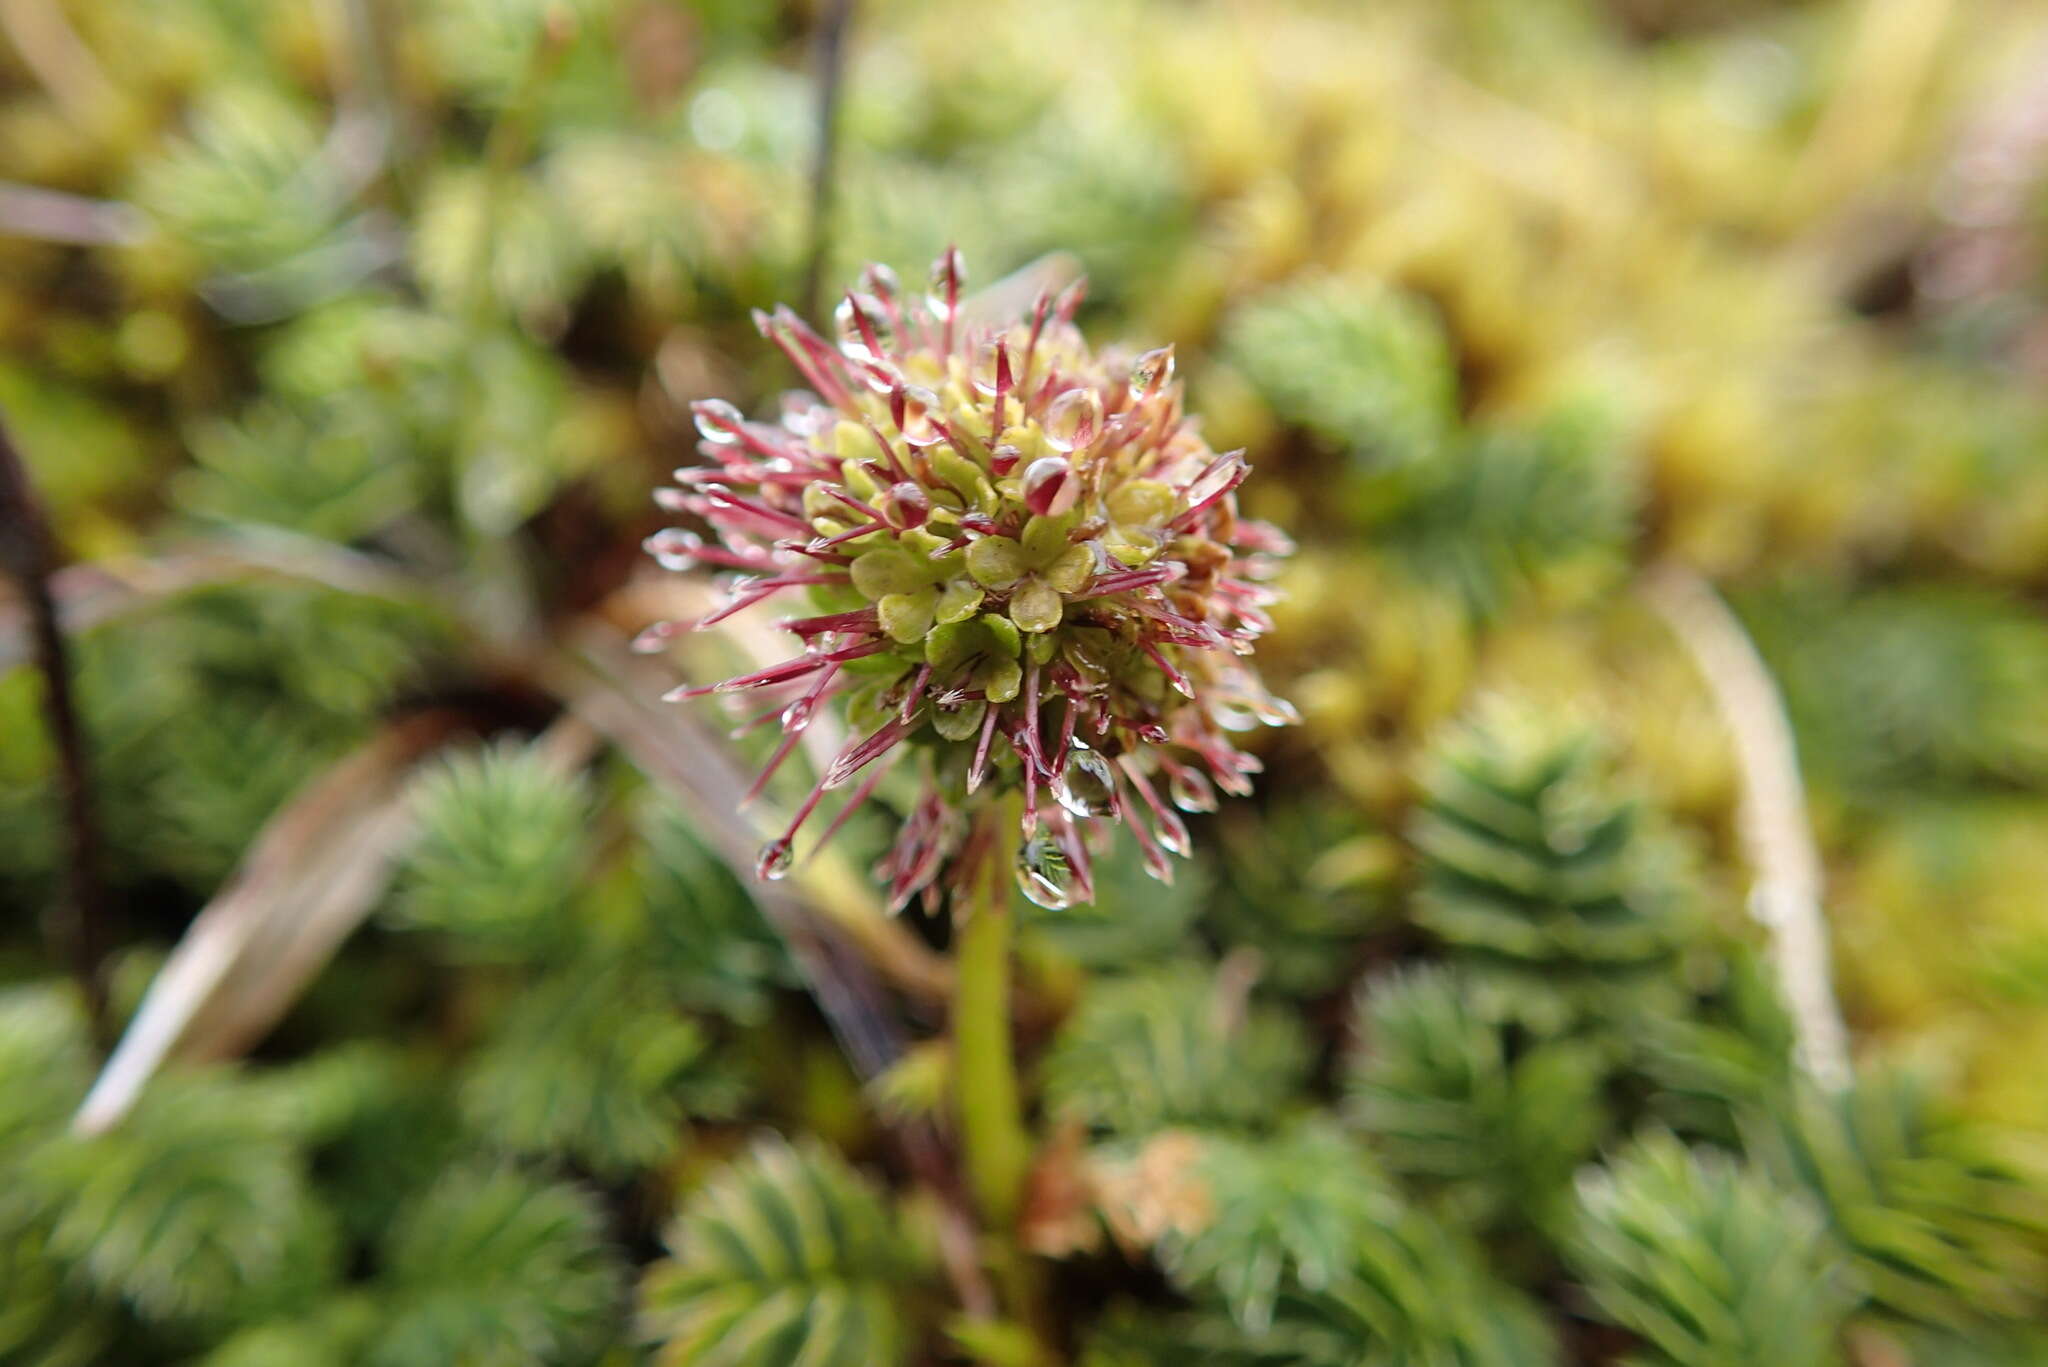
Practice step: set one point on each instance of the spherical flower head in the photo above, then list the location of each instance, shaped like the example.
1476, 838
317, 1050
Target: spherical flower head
1025, 569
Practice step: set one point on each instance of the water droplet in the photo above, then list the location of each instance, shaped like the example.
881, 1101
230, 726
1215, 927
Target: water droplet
1276, 711
1151, 372
777, 857
947, 273
1086, 786
1072, 420
673, 548
1158, 866
1232, 715
654, 639
863, 327
1222, 475
718, 422
1043, 875
1050, 487
905, 505
1173, 834
991, 368
879, 375
798, 714
916, 420
878, 280
1003, 459
1191, 791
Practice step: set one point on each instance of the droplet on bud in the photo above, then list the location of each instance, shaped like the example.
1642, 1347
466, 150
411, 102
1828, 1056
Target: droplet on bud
1151, 372
947, 273
912, 408
905, 505
1157, 866
1071, 423
1004, 458
1191, 791
1043, 875
718, 422
878, 280
863, 327
673, 548
1173, 834
1086, 787
1232, 715
777, 856
654, 638
1050, 486
990, 370
1222, 475
1276, 712
879, 375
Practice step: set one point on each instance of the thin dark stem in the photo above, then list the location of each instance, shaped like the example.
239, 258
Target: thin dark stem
831, 41
28, 555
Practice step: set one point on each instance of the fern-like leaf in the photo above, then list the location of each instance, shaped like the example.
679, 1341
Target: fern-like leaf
500, 848
1709, 1263
784, 1256
1168, 1047
496, 1269
1946, 1218
1538, 876
1446, 1099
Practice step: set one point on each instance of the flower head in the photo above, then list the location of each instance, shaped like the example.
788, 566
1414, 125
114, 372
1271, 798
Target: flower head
1024, 567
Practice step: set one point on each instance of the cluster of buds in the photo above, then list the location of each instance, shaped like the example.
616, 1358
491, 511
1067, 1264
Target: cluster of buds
1023, 566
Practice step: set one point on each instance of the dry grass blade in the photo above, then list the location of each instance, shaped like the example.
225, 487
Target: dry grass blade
1785, 891
611, 690
311, 877
839, 952
90, 594
1012, 296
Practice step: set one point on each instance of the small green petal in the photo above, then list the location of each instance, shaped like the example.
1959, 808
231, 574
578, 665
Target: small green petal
1000, 679
1073, 569
1003, 638
963, 474
866, 709
851, 442
951, 642
958, 601
820, 505
996, 561
1036, 606
907, 616
887, 571
920, 544
1045, 540
960, 724
890, 662
1130, 548
1040, 649
1142, 503
837, 598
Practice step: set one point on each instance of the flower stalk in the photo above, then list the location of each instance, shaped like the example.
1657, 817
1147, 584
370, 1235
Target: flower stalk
995, 1146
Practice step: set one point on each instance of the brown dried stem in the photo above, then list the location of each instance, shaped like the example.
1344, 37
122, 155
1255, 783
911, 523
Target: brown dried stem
28, 554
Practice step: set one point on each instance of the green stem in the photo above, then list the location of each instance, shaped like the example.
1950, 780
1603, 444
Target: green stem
997, 1150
